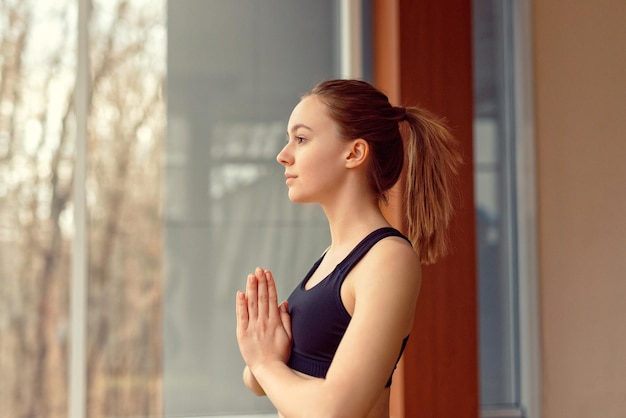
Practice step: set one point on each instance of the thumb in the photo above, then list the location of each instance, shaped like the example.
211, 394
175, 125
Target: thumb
285, 318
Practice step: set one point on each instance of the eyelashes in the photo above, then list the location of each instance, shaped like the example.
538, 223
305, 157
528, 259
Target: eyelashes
299, 139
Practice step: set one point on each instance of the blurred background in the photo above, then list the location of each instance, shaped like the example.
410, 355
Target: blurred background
187, 104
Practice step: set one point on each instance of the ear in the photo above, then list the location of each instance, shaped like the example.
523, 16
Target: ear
357, 153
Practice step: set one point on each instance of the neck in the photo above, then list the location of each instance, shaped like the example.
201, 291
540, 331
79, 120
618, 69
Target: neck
351, 219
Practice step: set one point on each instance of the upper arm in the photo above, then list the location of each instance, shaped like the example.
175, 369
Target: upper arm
385, 286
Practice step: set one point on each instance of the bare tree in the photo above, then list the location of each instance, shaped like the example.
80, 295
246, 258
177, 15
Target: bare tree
37, 139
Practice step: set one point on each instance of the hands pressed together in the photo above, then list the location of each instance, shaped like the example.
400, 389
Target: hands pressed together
263, 326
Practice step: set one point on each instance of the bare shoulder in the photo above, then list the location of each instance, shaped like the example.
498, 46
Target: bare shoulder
392, 256
392, 268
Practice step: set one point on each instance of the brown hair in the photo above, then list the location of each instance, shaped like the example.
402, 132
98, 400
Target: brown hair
432, 156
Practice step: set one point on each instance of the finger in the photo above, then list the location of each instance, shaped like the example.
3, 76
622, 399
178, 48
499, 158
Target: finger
285, 318
262, 293
252, 296
242, 311
272, 296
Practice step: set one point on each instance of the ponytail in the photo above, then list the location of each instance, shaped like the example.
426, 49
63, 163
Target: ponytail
432, 159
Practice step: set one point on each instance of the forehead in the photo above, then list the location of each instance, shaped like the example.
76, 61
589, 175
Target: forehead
311, 112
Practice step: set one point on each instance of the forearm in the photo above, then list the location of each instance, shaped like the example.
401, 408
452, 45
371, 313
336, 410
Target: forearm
251, 383
293, 395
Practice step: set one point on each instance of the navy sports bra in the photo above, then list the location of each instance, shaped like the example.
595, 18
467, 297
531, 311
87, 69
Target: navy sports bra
318, 317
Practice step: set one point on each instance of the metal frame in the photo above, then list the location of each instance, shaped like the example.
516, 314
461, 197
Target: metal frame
528, 290
350, 38
501, 413
77, 392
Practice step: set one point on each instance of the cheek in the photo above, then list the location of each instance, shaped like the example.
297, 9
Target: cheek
318, 170
325, 177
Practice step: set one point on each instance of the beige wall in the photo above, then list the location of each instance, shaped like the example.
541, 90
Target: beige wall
580, 104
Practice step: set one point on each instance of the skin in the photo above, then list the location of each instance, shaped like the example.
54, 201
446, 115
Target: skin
380, 295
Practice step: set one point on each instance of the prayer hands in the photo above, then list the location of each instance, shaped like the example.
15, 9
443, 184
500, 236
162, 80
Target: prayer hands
263, 327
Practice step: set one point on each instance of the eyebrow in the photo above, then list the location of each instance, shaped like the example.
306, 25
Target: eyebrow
298, 126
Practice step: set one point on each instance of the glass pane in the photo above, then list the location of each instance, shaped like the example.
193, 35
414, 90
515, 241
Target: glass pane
37, 137
235, 70
124, 197
495, 206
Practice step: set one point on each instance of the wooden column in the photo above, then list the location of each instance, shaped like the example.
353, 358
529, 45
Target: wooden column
423, 55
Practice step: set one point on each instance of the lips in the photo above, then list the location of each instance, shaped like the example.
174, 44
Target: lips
289, 177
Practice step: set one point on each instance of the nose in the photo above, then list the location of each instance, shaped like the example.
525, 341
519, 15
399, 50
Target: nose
284, 157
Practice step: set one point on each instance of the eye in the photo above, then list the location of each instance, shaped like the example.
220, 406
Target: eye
300, 139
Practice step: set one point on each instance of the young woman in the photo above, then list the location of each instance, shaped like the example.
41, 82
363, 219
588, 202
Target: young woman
331, 348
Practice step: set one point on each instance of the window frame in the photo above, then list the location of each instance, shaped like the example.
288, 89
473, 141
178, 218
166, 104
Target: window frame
528, 277
77, 361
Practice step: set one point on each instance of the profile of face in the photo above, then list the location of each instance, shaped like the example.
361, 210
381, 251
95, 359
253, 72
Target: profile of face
315, 154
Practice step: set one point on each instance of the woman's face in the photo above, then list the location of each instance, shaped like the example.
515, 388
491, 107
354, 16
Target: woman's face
314, 157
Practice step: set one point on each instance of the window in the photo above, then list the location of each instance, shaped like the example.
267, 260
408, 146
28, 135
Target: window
503, 194
47, 105
126, 135
235, 71
37, 69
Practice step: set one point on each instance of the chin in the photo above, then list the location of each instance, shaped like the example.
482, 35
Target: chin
295, 198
